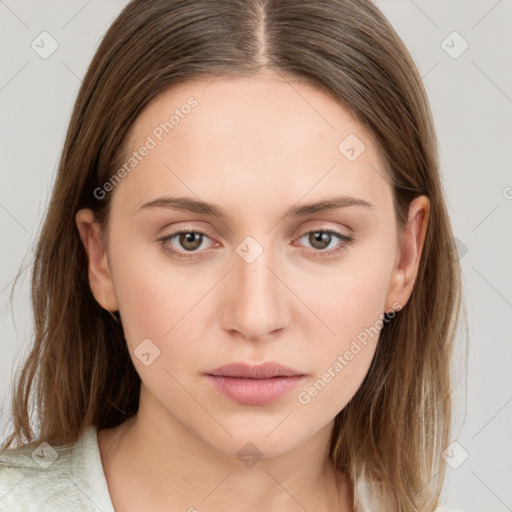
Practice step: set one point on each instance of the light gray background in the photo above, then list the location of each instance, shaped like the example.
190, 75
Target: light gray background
471, 98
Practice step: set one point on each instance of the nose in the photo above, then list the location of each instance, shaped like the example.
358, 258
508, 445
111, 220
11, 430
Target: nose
256, 303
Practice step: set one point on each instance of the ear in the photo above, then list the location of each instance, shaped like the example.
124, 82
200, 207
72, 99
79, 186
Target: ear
408, 255
100, 279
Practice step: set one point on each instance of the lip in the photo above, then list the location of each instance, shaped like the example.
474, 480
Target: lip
265, 370
254, 384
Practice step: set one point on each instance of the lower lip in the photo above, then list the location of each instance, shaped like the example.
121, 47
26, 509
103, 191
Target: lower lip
254, 391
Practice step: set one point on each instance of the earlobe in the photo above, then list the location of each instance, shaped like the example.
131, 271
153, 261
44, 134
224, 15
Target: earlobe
100, 280
409, 253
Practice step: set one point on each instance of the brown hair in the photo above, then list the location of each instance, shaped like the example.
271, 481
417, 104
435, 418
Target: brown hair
389, 438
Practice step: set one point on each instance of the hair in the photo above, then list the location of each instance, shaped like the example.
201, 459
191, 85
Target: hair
388, 440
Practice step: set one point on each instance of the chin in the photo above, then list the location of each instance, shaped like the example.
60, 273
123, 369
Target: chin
269, 441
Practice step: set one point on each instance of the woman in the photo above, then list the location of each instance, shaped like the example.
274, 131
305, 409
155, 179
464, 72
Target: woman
244, 290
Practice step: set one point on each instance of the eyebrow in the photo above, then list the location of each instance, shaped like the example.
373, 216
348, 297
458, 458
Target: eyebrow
214, 210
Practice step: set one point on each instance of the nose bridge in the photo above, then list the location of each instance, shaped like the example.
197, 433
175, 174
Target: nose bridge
257, 304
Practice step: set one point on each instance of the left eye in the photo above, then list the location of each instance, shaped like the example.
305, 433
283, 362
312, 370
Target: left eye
322, 239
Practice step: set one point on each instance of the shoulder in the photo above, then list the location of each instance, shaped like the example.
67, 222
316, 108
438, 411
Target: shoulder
35, 477
40, 477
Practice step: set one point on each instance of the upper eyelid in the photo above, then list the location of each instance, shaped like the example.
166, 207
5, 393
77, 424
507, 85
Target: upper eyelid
336, 232
208, 230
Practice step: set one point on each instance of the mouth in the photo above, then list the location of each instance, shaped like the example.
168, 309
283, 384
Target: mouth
254, 384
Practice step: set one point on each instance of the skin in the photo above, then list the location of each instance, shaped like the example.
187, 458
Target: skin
256, 147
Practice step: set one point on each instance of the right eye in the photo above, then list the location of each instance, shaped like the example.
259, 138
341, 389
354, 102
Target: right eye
184, 243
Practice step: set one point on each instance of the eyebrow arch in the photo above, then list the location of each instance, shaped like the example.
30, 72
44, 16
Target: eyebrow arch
214, 210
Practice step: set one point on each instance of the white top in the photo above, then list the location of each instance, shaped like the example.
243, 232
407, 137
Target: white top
46, 479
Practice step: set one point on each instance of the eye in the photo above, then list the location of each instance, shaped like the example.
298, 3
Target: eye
327, 242
184, 242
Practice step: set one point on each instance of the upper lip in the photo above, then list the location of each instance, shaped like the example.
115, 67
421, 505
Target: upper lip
250, 371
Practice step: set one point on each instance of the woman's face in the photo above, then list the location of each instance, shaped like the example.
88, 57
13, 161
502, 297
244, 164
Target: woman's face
265, 269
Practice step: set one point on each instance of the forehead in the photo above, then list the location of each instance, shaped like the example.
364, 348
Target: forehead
261, 134
258, 107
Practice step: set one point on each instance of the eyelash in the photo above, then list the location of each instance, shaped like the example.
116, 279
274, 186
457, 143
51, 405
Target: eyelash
346, 239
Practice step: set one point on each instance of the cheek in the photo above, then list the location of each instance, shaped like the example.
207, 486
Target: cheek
351, 305
342, 358
160, 307
349, 297
153, 297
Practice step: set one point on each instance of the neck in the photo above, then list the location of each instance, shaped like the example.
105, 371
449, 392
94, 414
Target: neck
153, 463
